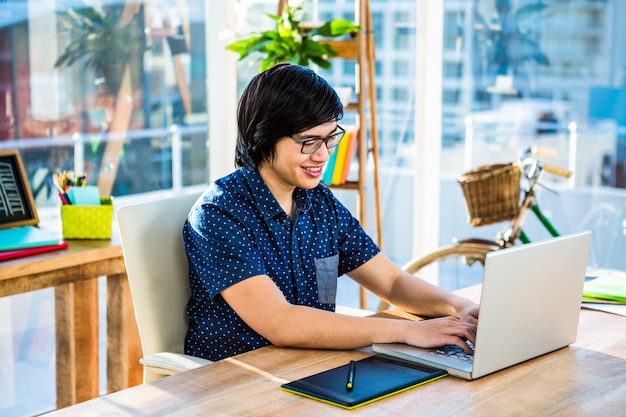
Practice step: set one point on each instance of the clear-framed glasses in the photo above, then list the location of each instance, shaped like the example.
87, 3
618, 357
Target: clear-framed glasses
311, 144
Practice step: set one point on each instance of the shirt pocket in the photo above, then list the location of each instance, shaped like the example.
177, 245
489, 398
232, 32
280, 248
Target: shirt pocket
326, 270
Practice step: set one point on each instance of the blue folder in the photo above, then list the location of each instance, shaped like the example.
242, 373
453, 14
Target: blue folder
28, 237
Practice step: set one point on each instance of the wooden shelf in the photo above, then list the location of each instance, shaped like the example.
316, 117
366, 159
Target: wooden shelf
350, 185
347, 48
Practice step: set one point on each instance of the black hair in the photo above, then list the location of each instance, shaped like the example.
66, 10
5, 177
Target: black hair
282, 101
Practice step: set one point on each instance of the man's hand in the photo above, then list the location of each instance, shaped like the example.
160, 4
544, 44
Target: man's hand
470, 314
442, 331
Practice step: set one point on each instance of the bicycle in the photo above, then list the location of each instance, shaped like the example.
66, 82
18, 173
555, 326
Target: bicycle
492, 195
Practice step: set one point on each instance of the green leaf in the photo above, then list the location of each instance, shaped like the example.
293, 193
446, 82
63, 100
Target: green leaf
316, 49
288, 43
244, 46
337, 27
321, 62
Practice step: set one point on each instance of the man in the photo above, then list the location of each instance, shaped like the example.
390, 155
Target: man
267, 243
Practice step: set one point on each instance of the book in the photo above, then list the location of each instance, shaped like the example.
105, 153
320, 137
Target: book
350, 153
340, 162
617, 308
607, 286
374, 378
27, 237
20, 253
327, 176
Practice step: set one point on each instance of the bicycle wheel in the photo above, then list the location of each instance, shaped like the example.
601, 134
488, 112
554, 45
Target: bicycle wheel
452, 267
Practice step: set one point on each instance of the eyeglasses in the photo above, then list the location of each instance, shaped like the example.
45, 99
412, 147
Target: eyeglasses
312, 143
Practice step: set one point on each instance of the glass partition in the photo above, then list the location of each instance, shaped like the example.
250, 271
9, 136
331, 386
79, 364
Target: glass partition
114, 89
546, 73
514, 73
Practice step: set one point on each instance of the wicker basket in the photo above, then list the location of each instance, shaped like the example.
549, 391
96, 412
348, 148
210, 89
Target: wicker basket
492, 193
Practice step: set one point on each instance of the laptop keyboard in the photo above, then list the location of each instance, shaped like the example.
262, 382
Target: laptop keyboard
453, 351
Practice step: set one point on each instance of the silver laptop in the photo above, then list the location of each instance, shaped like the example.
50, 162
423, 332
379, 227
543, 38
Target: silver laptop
530, 305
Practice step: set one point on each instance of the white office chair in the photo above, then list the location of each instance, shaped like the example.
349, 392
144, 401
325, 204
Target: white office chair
156, 265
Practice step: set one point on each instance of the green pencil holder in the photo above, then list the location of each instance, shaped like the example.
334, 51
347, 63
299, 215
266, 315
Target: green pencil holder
87, 222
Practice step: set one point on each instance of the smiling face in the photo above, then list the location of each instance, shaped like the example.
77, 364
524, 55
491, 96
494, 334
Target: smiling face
290, 168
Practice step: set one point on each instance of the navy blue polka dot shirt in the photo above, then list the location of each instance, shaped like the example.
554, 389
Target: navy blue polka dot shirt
238, 230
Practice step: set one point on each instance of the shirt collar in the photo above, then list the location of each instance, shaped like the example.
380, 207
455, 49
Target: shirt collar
265, 200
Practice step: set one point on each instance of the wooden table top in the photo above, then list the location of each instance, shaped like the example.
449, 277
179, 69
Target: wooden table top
586, 378
54, 268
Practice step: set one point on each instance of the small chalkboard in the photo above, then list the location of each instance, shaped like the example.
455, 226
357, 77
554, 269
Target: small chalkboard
17, 206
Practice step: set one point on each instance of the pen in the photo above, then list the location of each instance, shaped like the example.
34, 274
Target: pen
351, 369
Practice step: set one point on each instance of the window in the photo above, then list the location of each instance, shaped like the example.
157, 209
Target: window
401, 68
542, 75
400, 94
132, 116
452, 69
348, 68
403, 30
108, 113
378, 19
451, 96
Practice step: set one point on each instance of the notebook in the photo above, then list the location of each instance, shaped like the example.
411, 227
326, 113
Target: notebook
374, 378
610, 285
20, 253
28, 237
530, 305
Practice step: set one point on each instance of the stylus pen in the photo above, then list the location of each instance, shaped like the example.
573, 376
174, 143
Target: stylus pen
351, 369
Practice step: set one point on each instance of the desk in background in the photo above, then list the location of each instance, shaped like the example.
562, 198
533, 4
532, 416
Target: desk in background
73, 274
587, 378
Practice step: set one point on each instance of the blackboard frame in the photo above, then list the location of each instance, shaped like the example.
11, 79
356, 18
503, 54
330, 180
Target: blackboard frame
14, 186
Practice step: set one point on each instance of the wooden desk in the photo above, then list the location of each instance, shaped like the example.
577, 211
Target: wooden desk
73, 274
587, 378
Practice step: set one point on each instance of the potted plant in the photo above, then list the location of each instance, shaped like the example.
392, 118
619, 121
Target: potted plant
292, 41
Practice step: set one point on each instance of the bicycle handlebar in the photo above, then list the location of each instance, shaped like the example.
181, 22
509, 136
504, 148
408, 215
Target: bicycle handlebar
544, 152
556, 170
527, 152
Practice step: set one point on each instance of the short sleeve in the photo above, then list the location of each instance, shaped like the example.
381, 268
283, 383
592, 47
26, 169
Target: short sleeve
220, 248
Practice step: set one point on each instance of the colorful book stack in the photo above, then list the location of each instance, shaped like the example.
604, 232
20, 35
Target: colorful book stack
23, 241
338, 166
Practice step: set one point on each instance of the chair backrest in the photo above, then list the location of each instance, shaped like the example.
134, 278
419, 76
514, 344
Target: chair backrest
157, 269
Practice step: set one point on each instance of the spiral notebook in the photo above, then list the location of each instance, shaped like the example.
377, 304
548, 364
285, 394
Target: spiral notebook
375, 377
